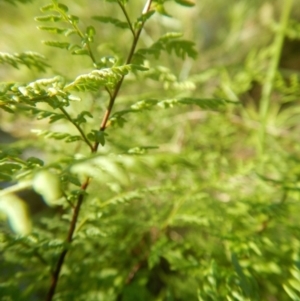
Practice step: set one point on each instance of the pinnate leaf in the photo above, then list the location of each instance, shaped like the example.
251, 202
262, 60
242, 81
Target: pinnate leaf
28, 58
170, 43
94, 80
52, 29
188, 3
62, 45
97, 136
114, 21
48, 18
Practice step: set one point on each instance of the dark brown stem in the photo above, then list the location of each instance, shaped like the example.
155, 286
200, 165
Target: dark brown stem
119, 84
76, 210
56, 272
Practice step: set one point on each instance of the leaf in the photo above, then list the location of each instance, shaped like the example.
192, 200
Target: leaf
161, 9
80, 52
5, 177
138, 67
33, 162
97, 136
73, 138
48, 185
141, 150
144, 104
90, 32
69, 178
53, 29
69, 32
245, 285
157, 250
182, 48
7, 109
92, 81
48, 7
17, 213
62, 45
59, 136
143, 18
100, 167
188, 3
118, 119
48, 18
55, 117
81, 118
62, 7
14, 2
170, 43
111, 20
9, 152
41, 114
203, 103
291, 292
28, 58
73, 19
9, 167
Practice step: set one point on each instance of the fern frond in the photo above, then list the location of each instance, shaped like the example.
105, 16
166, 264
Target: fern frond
114, 21
170, 43
28, 58
107, 77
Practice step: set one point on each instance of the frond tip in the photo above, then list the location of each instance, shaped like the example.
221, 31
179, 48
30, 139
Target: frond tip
28, 58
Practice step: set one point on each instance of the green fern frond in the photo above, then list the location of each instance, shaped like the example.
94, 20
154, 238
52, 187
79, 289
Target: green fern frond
170, 43
28, 58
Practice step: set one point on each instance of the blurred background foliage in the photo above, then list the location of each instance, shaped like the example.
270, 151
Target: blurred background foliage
194, 210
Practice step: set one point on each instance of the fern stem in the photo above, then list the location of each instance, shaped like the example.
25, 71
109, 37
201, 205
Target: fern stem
94, 148
270, 77
61, 259
77, 127
81, 35
87, 44
127, 18
119, 84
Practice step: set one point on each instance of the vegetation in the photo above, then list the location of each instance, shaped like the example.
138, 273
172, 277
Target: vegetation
167, 163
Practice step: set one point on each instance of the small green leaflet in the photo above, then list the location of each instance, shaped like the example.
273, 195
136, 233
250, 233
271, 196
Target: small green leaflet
188, 3
204, 103
118, 118
52, 29
114, 21
58, 136
62, 45
170, 43
48, 18
97, 136
55, 6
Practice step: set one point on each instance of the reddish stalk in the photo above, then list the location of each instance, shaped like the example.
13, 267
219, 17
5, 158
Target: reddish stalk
84, 186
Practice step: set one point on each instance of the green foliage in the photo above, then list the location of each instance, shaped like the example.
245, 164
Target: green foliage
116, 22
14, 2
146, 164
29, 59
170, 43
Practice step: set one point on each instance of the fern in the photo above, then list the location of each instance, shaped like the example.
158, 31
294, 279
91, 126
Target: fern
136, 171
29, 59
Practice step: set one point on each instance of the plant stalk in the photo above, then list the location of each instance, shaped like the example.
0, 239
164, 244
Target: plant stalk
76, 210
270, 76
